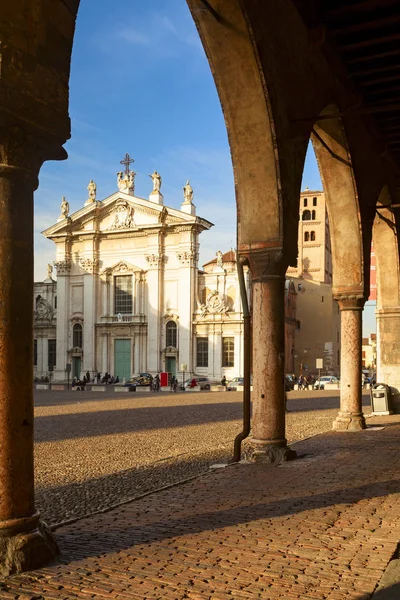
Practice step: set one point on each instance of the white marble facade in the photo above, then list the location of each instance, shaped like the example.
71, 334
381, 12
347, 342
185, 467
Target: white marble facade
125, 296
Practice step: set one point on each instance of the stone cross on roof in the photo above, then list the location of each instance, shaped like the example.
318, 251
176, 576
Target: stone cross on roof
126, 161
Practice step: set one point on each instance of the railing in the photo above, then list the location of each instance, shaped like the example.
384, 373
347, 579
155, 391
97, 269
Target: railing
123, 319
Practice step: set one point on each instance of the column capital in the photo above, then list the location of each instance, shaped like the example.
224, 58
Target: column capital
265, 263
349, 301
24, 150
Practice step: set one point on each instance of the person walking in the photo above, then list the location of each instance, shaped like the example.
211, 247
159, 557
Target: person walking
223, 381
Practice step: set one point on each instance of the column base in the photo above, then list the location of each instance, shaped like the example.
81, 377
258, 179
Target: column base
349, 422
25, 544
264, 452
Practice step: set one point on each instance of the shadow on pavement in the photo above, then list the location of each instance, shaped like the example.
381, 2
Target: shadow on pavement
87, 538
388, 593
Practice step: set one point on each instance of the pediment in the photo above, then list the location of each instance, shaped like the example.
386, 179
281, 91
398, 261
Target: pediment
119, 212
122, 267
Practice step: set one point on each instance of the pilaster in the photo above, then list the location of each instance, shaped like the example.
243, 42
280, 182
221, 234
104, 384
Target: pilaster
63, 268
388, 351
153, 312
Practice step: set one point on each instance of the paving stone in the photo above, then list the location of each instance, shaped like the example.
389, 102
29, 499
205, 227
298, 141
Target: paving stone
325, 529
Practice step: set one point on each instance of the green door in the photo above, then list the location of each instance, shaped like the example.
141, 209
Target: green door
122, 359
76, 366
170, 365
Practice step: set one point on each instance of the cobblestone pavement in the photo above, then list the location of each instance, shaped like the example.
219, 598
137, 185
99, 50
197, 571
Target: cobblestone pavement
324, 527
95, 451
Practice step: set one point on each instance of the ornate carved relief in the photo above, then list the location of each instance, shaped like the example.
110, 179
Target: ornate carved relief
186, 256
154, 259
44, 310
171, 317
63, 267
90, 264
123, 215
215, 304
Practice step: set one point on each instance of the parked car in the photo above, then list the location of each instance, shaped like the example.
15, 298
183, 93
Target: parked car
320, 383
289, 383
140, 379
202, 382
234, 383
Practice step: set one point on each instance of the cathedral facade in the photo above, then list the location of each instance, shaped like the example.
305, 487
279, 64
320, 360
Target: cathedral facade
129, 296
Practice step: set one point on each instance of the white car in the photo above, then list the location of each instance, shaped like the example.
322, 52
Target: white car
320, 383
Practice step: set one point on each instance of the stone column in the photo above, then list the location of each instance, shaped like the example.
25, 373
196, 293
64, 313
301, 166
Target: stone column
25, 542
268, 269
350, 417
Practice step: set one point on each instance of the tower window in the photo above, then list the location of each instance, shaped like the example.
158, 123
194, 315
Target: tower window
312, 236
314, 202
305, 202
313, 215
306, 236
306, 215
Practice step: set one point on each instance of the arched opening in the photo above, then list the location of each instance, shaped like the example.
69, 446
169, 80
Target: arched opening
349, 261
306, 216
335, 165
312, 236
313, 213
77, 336
306, 236
171, 331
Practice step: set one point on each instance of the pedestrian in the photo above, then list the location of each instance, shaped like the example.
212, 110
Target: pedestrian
157, 383
172, 383
98, 378
87, 377
223, 381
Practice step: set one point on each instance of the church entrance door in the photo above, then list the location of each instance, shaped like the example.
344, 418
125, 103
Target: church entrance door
122, 359
76, 366
170, 365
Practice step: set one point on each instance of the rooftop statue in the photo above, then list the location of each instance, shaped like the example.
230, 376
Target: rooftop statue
156, 178
92, 188
188, 192
64, 207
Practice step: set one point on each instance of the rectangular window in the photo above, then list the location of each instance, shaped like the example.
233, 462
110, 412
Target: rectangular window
314, 202
228, 352
123, 294
35, 353
202, 352
51, 354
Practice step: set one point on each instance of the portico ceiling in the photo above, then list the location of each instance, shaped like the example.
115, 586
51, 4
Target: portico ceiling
363, 37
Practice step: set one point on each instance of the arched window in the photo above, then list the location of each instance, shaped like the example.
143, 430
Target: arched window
306, 236
306, 215
312, 236
170, 331
313, 215
305, 202
77, 335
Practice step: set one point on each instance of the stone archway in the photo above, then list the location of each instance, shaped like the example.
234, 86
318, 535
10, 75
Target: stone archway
346, 229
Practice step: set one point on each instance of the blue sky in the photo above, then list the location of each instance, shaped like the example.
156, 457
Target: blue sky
140, 83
